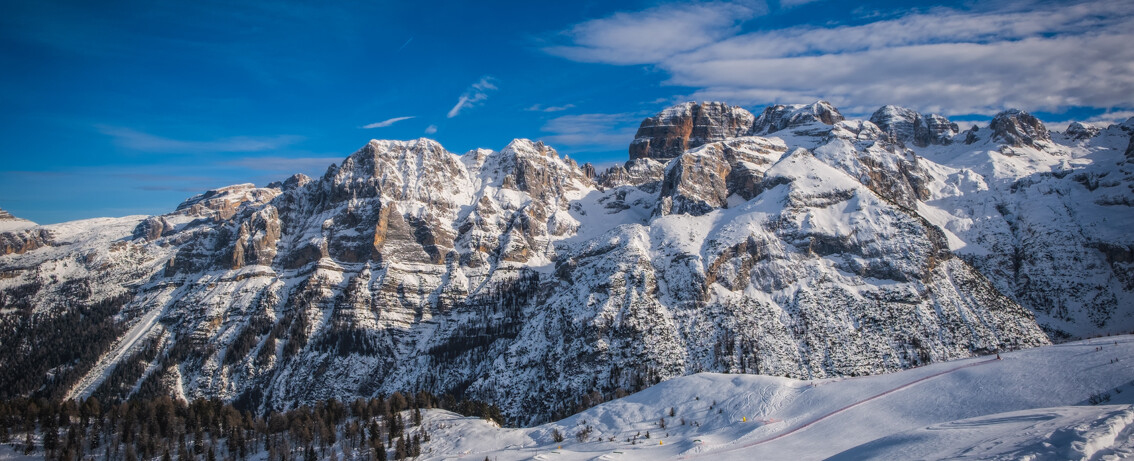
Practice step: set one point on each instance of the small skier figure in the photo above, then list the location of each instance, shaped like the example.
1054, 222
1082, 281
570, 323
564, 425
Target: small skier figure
997, 356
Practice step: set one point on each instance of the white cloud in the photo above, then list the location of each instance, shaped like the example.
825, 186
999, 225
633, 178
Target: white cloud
653, 35
1034, 56
591, 132
1117, 116
476, 93
431, 129
387, 122
540, 108
140, 141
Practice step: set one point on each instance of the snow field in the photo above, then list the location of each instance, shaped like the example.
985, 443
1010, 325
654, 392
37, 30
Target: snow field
1032, 404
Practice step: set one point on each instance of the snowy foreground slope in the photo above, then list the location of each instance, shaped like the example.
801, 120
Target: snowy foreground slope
795, 243
1033, 404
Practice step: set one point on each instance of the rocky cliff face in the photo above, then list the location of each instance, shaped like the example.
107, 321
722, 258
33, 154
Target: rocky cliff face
1081, 131
1128, 127
19, 235
685, 126
823, 247
1018, 128
797, 116
908, 126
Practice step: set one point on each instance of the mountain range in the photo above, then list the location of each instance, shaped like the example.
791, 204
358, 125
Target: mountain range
793, 243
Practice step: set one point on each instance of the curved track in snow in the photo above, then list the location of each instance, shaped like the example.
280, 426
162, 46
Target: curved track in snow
837, 411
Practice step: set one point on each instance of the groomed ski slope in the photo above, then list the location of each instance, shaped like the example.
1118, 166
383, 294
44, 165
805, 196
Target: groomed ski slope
1032, 404
125, 345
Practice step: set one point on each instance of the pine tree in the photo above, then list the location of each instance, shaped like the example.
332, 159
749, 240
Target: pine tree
50, 439
400, 451
182, 450
29, 444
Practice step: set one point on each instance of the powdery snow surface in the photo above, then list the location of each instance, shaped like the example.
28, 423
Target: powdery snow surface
1032, 404
10, 225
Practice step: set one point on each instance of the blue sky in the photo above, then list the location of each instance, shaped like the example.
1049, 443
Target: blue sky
129, 107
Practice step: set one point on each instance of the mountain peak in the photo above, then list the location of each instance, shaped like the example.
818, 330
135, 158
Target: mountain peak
6, 216
524, 146
688, 125
909, 126
1018, 128
1080, 131
11, 223
292, 182
782, 116
225, 201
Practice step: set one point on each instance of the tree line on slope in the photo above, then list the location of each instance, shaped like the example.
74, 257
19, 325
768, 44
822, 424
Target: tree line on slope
167, 428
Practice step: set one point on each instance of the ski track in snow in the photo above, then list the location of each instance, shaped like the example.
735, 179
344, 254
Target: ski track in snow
837, 411
1033, 404
106, 363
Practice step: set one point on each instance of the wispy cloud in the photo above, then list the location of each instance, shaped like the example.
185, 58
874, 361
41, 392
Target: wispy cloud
140, 141
404, 45
387, 122
540, 108
795, 3
1028, 54
592, 132
153, 188
476, 93
284, 164
431, 129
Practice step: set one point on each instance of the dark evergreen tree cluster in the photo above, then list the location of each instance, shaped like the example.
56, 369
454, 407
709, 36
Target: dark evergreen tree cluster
167, 428
46, 353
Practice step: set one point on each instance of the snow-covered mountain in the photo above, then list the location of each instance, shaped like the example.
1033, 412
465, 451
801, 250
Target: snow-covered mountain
796, 243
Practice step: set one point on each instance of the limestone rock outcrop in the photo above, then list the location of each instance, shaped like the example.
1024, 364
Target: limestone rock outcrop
909, 126
1018, 128
686, 126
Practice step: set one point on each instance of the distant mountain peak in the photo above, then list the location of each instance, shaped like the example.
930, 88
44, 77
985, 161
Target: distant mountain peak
784, 116
908, 126
1019, 128
11, 223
